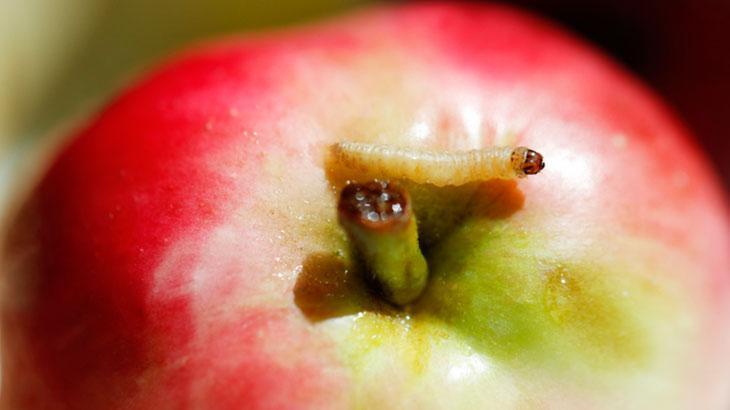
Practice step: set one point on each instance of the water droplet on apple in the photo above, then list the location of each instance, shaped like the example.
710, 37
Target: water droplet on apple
559, 295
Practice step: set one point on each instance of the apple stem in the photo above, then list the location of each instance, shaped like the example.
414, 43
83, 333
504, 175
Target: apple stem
379, 219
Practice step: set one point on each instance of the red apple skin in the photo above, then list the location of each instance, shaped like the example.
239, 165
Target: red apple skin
153, 266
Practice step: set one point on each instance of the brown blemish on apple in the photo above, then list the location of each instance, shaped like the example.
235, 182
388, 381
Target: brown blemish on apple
327, 287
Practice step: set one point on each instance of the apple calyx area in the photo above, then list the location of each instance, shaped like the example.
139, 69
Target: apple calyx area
379, 219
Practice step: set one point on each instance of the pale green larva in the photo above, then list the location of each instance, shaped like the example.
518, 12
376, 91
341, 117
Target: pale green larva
439, 168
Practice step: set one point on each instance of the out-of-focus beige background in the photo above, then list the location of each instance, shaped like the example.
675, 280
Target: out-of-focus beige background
56, 56
61, 59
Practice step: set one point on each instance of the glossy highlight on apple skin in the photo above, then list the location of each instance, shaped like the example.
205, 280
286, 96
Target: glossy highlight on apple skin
184, 249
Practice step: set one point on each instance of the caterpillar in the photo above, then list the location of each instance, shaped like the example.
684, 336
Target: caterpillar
437, 167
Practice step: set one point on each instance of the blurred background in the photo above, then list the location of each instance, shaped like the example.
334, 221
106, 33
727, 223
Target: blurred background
60, 59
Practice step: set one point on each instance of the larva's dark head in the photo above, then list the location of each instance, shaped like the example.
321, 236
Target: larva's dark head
376, 205
527, 161
533, 162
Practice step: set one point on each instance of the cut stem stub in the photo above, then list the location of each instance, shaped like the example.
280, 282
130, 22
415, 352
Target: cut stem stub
378, 217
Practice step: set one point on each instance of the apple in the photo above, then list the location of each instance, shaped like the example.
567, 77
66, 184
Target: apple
184, 250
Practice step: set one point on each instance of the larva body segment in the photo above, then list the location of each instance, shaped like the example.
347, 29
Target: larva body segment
439, 168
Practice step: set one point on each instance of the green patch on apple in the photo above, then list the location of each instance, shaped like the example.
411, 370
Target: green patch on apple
486, 283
